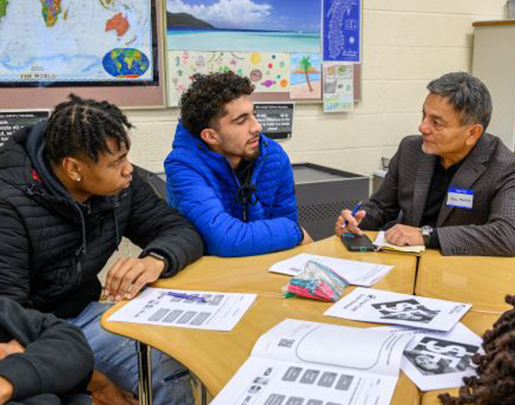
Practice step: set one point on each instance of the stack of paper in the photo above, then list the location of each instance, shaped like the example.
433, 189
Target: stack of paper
354, 273
300, 362
384, 246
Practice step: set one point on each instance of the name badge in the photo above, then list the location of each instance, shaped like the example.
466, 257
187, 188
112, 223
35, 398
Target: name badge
460, 198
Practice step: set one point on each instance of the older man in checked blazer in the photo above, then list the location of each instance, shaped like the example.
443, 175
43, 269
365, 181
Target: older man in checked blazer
453, 188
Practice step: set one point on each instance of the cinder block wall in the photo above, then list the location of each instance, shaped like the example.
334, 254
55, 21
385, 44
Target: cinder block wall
406, 44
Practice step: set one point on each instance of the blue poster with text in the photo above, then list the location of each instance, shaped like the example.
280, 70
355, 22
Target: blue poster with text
341, 25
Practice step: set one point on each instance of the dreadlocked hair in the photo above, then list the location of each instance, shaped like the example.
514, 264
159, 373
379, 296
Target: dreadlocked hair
495, 380
83, 126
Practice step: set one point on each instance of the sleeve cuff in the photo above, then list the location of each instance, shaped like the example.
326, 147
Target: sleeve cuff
434, 240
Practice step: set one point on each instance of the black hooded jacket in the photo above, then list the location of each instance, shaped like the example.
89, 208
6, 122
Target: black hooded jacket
52, 247
57, 363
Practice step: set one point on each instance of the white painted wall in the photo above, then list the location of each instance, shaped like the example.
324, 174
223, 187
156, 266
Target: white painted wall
406, 44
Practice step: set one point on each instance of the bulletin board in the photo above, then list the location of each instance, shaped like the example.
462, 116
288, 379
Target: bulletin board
277, 44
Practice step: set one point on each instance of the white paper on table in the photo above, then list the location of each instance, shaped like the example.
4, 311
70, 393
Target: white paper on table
439, 360
371, 305
355, 273
382, 244
301, 362
221, 311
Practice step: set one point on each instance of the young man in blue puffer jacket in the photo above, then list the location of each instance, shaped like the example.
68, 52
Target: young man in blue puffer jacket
235, 184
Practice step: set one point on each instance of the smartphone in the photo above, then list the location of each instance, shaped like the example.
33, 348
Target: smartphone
356, 243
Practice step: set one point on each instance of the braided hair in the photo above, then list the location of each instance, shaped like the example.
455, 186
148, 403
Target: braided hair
495, 381
83, 126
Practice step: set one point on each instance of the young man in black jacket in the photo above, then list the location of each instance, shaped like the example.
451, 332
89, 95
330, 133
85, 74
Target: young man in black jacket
68, 194
43, 360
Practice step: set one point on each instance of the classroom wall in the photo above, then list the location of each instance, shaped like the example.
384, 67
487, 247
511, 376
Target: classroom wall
406, 44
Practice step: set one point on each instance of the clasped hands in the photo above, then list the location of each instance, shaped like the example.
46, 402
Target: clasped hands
400, 235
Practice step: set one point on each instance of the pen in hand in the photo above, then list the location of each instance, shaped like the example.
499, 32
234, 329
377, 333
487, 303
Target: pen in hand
354, 211
186, 296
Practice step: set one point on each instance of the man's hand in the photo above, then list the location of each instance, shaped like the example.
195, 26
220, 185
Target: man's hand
11, 347
307, 238
128, 276
352, 223
403, 235
105, 392
6, 390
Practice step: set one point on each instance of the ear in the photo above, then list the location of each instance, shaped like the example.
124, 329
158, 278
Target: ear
210, 137
475, 132
72, 168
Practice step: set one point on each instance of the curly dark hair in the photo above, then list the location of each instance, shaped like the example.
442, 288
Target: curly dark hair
495, 380
203, 104
82, 126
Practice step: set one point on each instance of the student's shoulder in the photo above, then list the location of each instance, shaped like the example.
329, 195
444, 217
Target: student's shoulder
273, 148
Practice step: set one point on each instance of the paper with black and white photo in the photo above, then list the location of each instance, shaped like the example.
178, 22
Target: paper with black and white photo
301, 362
371, 305
353, 272
208, 310
439, 360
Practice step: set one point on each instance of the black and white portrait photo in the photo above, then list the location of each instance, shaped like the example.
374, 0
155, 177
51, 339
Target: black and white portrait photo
432, 356
406, 310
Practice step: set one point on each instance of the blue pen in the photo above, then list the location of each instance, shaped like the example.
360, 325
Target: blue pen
186, 296
354, 211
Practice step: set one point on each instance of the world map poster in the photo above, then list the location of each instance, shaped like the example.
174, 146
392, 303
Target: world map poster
72, 42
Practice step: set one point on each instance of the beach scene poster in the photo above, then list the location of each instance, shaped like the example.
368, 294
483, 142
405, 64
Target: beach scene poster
306, 76
244, 25
268, 72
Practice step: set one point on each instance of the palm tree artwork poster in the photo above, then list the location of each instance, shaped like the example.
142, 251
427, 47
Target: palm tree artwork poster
305, 76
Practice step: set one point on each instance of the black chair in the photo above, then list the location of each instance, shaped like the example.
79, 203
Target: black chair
153, 179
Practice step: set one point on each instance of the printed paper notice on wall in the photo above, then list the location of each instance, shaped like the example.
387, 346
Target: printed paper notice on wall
341, 24
338, 87
276, 119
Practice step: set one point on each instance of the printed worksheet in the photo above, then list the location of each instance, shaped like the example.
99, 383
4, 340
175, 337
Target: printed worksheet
310, 363
186, 309
438, 360
354, 273
370, 305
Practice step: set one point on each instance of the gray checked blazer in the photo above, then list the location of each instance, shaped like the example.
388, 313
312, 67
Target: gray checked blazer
488, 229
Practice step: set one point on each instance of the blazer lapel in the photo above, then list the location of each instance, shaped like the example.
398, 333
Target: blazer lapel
425, 171
471, 169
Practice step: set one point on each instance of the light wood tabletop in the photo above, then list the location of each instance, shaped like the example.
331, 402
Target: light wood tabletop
214, 357
479, 280
250, 274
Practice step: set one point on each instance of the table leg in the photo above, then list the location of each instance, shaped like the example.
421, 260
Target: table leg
203, 394
144, 373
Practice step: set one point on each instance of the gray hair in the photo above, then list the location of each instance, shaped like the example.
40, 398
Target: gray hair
467, 94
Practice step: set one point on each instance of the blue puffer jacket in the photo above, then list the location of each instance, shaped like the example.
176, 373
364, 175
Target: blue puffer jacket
202, 185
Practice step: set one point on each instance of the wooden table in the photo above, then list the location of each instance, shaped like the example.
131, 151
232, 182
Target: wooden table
215, 356
250, 274
479, 280
478, 322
